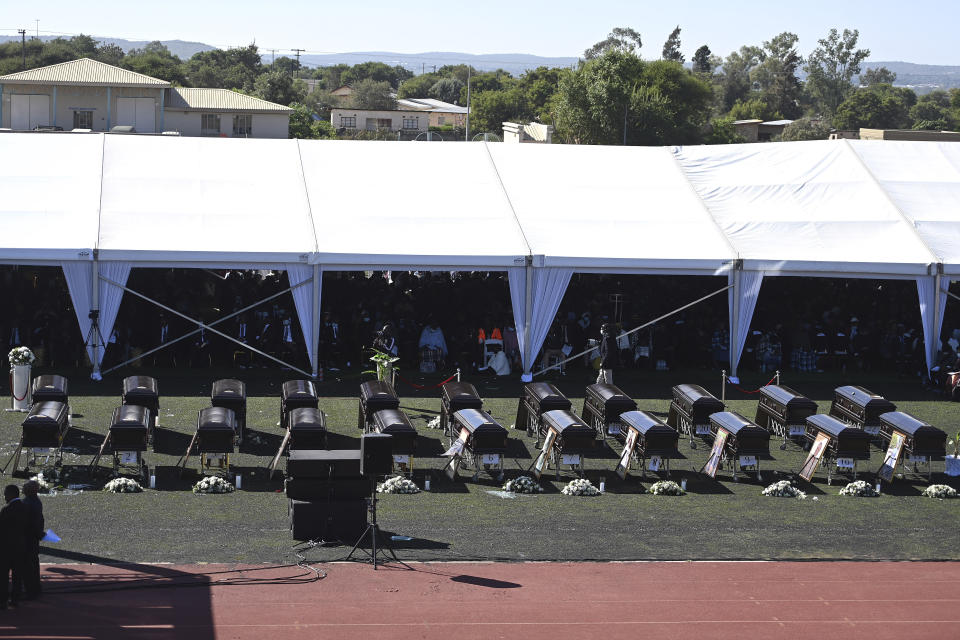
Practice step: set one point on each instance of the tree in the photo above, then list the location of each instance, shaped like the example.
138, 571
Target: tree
777, 75
490, 109
701, 60
735, 83
279, 87
831, 68
371, 94
155, 60
805, 129
671, 48
446, 89
418, 86
109, 54
933, 112
235, 68
881, 106
877, 75
378, 71
722, 131
620, 99
755, 108
621, 39
303, 125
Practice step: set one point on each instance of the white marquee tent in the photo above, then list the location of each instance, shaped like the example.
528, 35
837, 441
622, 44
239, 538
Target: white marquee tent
103, 204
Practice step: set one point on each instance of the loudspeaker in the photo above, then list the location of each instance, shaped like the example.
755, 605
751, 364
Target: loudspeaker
335, 490
324, 464
376, 454
322, 520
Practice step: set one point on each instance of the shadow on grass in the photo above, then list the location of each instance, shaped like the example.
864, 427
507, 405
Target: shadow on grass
260, 443
428, 446
83, 442
170, 442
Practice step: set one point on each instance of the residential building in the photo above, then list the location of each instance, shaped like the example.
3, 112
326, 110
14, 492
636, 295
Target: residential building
442, 114
530, 132
93, 96
909, 134
760, 131
371, 120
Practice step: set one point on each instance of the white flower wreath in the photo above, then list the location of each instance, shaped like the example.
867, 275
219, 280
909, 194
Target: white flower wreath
213, 484
580, 487
398, 484
860, 489
940, 491
784, 489
123, 485
21, 356
523, 484
666, 488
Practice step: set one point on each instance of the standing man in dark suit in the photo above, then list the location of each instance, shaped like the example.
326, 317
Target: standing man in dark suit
35, 532
13, 529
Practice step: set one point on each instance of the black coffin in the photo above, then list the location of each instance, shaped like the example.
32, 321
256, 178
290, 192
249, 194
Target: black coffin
308, 429
49, 388
142, 391
860, 407
375, 395
396, 423
603, 404
538, 398
45, 425
922, 439
129, 428
573, 434
324, 464
654, 437
296, 394
845, 441
455, 396
781, 405
693, 405
231, 394
486, 435
745, 438
216, 430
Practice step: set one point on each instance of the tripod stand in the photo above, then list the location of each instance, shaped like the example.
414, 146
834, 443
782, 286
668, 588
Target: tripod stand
94, 338
377, 542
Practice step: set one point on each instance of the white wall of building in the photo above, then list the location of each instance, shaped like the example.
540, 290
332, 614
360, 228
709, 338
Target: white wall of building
264, 125
68, 99
396, 118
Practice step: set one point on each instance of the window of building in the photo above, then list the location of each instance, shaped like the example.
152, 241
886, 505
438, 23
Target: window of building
410, 123
379, 124
441, 120
83, 119
210, 124
348, 122
243, 125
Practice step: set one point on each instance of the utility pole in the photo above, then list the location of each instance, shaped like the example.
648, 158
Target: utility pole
23, 49
298, 52
469, 69
38, 28
273, 56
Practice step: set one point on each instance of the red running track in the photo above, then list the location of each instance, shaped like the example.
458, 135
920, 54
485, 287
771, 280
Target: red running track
466, 601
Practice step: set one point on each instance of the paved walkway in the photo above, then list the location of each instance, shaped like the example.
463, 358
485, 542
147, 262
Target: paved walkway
466, 601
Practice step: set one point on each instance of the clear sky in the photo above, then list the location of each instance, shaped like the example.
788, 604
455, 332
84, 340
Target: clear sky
922, 31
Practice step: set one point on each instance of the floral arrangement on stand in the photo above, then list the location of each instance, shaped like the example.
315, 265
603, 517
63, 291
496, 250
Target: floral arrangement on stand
398, 484
213, 484
523, 484
434, 424
666, 488
580, 487
21, 356
123, 485
45, 485
784, 489
860, 489
940, 491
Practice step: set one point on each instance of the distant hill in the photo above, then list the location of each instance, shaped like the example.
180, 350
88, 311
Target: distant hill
515, 63
180, 48
922, 78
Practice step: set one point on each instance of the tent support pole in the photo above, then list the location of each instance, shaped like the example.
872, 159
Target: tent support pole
315, 326
528, 318
201, 325
937, 311
640, 328
196, 331
95, 315
952, 295
735, 324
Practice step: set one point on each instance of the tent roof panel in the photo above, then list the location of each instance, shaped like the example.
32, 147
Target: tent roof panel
798, 204
617, 207
203, 199
50, 186
409, 204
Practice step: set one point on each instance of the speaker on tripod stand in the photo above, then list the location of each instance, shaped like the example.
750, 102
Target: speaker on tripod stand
376, 459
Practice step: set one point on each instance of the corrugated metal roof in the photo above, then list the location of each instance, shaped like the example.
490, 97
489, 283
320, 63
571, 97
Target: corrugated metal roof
84, 72
429, 104
219, 100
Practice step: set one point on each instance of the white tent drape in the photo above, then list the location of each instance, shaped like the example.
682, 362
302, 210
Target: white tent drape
742, 300
78, 275
931, 315
303, 300
549, 285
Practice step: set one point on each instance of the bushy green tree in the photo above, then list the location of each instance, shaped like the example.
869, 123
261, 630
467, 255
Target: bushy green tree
304, 126
225, 69
878, 107
805, 129
735, 82
376, 71
671, 48
373, 94
620, 39
447, 90
831, 68
418, 86
878, 75
155, 60
756, 108
702, 62
723, 131
777, 77
279, 87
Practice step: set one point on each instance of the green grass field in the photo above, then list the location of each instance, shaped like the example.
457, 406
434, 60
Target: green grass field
717, 519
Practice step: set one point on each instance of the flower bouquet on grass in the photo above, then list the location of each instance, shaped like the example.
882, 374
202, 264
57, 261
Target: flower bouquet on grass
784, 489
940, 491
666, 488
123, 485
21, 356
434, 424
45, 485
523, 484
213, 484
398, 484
580, 487
860, 489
